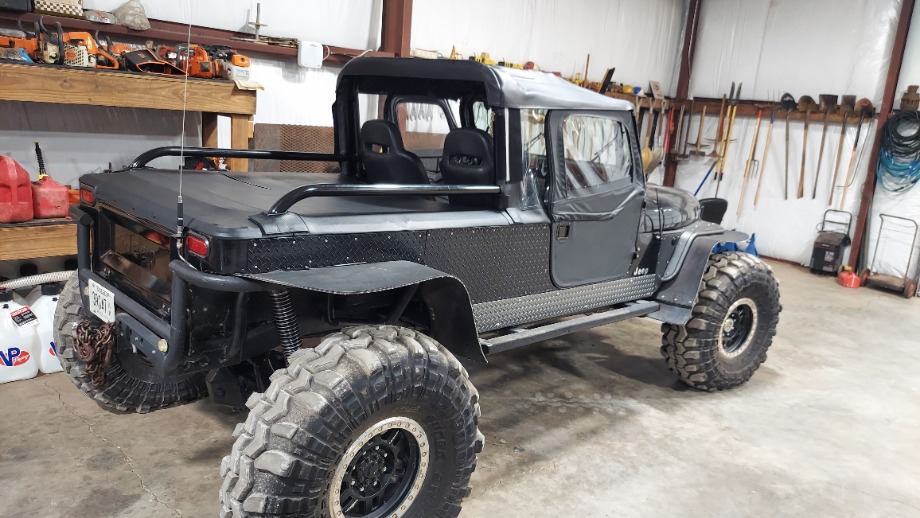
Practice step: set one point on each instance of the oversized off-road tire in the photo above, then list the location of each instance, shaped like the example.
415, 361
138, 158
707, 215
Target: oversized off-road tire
374, 421
731, 326
131, 384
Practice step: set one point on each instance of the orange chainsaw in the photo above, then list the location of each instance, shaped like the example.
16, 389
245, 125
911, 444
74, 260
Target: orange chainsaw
228, 63
196, 60
82, 50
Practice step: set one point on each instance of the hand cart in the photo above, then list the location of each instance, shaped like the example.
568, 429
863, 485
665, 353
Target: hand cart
905, 285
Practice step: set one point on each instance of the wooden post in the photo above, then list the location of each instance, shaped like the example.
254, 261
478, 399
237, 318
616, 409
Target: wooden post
208, 129
888, 96
239, 139
397, 27
683, 79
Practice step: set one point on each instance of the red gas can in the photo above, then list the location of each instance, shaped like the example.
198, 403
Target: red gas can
15, 192
50, 199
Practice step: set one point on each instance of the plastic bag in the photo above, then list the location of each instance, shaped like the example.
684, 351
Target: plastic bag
131, 14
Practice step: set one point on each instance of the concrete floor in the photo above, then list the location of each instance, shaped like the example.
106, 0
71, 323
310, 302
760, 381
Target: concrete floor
590, 425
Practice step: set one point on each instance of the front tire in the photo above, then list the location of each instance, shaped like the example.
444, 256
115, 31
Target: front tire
731, 326
374, 421
131, 385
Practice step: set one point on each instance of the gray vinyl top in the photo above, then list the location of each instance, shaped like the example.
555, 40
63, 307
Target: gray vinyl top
505, 87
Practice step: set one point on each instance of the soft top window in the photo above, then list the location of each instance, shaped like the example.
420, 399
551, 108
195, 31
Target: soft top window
595, 152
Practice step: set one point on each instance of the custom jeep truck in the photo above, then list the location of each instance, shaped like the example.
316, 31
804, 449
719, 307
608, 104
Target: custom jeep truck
469, 210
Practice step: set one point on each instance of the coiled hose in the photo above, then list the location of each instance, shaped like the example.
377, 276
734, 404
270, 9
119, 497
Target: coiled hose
898, 166
35, 280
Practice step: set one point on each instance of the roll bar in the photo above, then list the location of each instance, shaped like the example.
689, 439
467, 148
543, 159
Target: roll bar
203, 152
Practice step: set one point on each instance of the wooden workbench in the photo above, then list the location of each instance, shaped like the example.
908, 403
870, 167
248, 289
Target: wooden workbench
59, 85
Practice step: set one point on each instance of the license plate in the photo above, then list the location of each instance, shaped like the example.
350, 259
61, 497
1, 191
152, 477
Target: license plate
101, 302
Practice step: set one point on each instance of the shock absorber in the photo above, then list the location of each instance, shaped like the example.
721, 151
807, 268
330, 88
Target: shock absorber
285, 321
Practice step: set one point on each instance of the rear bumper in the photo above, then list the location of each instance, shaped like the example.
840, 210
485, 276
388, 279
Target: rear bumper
164, 343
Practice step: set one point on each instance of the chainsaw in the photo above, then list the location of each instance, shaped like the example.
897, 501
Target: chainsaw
196, 61
228, 63
82, 50
27, 42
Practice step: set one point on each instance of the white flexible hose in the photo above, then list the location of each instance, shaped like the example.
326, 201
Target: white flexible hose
35, 280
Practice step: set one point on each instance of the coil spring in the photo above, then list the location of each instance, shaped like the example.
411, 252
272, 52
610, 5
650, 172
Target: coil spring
285, 321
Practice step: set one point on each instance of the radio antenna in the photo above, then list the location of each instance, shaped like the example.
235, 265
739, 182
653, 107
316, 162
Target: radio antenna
180, 220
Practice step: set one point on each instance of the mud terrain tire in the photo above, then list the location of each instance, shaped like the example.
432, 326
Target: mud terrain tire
307, 445
731, 327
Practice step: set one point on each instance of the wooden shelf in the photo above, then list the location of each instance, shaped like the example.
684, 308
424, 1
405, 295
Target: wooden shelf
61, 85
38, 238
74, 86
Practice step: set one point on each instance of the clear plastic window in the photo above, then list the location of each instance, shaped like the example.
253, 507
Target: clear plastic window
423, 125
483, 117
595, 151
533, 143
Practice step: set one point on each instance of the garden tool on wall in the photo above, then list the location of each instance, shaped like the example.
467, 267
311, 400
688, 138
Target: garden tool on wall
763, 161
806, 105
847, 104
730, 115
865, 109
787, 103
683, 151
719, 128
699, 135
751, 165
646, 149
827, 102
675, 145
657, 150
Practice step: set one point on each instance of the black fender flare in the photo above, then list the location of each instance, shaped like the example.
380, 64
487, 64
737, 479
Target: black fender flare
681, 281
445, 296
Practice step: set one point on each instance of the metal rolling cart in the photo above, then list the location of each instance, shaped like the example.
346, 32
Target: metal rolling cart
904, 285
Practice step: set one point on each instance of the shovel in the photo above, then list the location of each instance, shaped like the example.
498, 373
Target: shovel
732, 111
699, 135
763, 161
806, 104
847, 105
866, 110
828, 103
787, 102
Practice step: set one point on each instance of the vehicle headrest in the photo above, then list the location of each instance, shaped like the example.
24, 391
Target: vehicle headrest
470, 149
382, 133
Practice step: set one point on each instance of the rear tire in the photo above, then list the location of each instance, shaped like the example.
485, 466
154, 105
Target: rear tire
381, 418
133, 389
731, 326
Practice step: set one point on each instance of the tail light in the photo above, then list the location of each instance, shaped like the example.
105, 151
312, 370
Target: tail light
87, 196
196, 245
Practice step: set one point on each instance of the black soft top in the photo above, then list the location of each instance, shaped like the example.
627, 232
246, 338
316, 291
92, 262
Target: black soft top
504, 87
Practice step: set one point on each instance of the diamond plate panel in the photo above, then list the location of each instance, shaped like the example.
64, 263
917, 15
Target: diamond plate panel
494, 262
531, 308
302, 252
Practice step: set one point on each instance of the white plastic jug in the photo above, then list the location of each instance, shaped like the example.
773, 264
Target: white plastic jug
18, 340
43, 301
